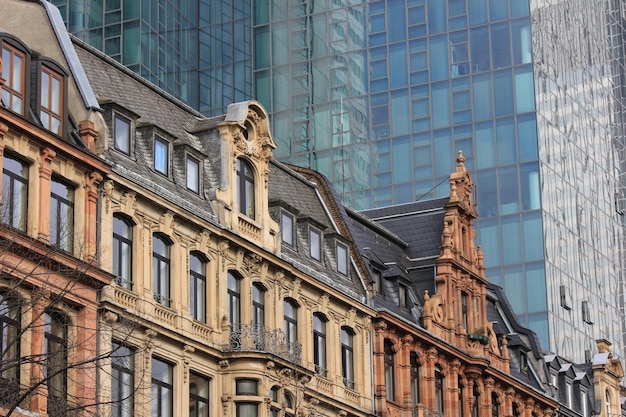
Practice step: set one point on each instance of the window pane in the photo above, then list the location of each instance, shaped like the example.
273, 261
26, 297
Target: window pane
160, 155
122, 134
286, 228
14, 193
342, 258
315, 244
193, 174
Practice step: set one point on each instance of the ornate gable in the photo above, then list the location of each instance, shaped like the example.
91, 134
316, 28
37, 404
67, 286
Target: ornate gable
247, 147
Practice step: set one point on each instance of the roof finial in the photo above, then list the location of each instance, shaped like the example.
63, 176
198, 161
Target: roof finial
460, 159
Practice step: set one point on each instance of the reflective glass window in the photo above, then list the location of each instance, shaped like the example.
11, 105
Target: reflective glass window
193, 174
122, 381
161, 155
122, 134
14, 208
14, 74
197, 286
198, 395
234, 299
501, 43
482, 96
61, 215
51, 100
511, 241
161, 270
503, 92
122, 251
162, 389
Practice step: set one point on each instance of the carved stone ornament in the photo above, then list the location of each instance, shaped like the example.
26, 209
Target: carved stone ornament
252, 262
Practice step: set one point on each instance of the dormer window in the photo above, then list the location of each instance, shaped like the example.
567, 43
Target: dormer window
161, 155
402, 295
342, 258
315, 243
14, 74
378, 282
245, 188
121, 128
286, 227
193, 174
51, 90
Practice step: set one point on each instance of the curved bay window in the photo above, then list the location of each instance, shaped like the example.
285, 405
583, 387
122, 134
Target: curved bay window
234, 299
389, 372
245, 188
347, 357
122, 251
319, 343
161, 270
197, 286
55, 354
13, 210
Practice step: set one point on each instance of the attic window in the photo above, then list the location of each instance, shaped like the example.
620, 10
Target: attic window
193, 174
378, 282
245, 188
286, 227
402, 295
51, 90
523, 363
161, 155
342, 258
122, 134
315, 243
14, 74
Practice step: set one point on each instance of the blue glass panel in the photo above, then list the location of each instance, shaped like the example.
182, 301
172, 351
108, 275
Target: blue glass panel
261, 47
508, 190
262, 88
378, 53
485, 145
379, 85
417, 31
439, 57
417, 15
402, 163
422, 155
382, 179
457, 23
524, 90
522, 50
533, 236
418, 45
520, 8
423, 189
489, 240
499, 10
400, 119
514, 283
261, 11
486, 186
420, 91
398, 61
461, 100
500, 45
419, 61
441, 104
479, 46
527, 137
396, 20
478, 12
494, 275
377, 7
378, 69
380, 115
529, 186
377, 23
378, 39
536, 287
421, 139
511, 240
482, 96
444, 158
538, 323
420, 77
421, 108
421, 125
503, 92
403, 193
436, 17
505, 139
379, 99
456, 7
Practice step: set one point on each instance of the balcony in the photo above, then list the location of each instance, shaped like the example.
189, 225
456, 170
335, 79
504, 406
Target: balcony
256, 338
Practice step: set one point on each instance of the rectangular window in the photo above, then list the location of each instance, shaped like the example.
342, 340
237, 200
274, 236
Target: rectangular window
347, 357
10, 316
389, 371
122, 134
161, 270
464, 316
258, 304
122, 381
315, 242
197, 287
247, 410
55, 370
161, 155
198, 396
51, 100
14, 74
162, 389
193, 174
286, 228
122, 251
402, 295
246, 387
13, 210
61, 215
319, 344
234, 300
342, 258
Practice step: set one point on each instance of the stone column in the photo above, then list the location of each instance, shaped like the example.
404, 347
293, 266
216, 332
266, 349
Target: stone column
45, 174
92, 184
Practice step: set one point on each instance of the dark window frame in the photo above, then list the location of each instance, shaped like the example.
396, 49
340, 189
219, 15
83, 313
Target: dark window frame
246, 191
161, 166
315, 235
161, 270
389, 371
258, 304
56, 356
122, 372
123, 251
199, 404
10, 179
162, 388
320, 359
347, 356
234, 298
197, 286
290, 318
118, 143
342, 267
63, 241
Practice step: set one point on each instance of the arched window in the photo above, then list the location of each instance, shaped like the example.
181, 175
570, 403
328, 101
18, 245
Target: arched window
607, 403
14, 74
55, 354
234, 299
347, 356
197, 286
319, 343
161, 256
439, 390
258, 304
245, 188
389, 371
122, 251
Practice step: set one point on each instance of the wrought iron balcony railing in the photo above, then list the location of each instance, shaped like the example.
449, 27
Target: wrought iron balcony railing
256, 338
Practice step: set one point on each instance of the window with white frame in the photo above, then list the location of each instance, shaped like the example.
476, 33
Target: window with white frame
161, 155
286, 228
342, 258
121, 128
315, 243
193, 174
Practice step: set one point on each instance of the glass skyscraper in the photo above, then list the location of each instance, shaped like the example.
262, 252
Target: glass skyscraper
381, 95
